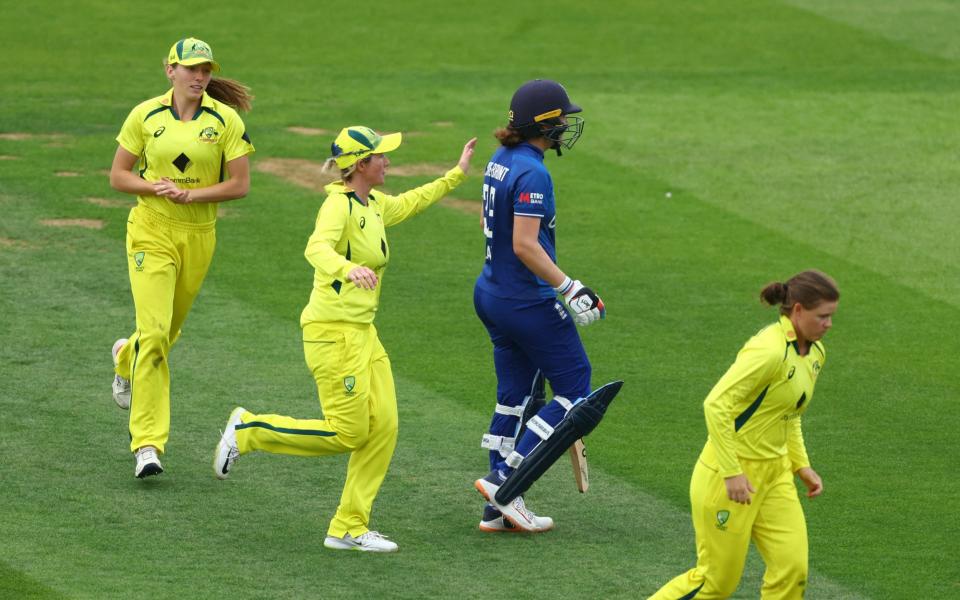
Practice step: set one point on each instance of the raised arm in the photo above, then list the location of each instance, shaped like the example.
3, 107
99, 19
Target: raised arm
397, 209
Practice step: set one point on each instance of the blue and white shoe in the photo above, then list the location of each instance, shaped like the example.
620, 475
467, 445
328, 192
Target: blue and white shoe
516, 511
493, 521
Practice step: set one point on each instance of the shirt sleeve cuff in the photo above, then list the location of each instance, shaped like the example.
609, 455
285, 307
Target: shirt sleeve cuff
456, 175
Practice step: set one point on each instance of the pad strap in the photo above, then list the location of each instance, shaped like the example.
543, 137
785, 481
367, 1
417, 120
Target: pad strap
510, 411
540, 427
514, 459
500, 443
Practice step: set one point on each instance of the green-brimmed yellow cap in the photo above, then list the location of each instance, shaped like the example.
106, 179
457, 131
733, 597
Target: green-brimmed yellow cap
358, 142
191, 51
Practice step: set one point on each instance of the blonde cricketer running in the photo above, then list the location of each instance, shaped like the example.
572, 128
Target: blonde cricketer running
349, 252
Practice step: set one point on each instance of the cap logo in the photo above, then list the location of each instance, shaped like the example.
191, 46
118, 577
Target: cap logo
359, 137
510, 116
198, 50
548, 115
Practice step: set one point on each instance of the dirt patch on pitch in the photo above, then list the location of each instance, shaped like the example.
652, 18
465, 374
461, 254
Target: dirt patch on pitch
19, 136
67, 174
443, 123
415, 169
8, 157
82, 223
309, 131
298, 171
110, 202
465, 206
9, 243
309, 174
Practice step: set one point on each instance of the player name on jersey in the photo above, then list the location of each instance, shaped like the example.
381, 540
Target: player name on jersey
497, 171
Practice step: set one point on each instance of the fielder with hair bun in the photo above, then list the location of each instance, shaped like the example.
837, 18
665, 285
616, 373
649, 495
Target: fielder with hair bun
349, 253
743, 483
190, 148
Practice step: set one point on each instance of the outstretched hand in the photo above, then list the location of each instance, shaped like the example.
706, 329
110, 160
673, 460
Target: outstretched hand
466, 155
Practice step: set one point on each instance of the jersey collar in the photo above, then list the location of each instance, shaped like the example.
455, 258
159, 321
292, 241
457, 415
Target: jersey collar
531, 148
167, 100
338, 187
789, 333
787, 326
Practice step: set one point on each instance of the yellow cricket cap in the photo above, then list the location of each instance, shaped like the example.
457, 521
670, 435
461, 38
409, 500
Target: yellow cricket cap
358, 142
191, 51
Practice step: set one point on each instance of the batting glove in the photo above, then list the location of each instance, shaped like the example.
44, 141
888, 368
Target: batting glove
583, 303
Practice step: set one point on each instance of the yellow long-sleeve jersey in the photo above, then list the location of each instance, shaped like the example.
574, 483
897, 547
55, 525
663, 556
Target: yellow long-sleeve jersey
754, 411
349, 234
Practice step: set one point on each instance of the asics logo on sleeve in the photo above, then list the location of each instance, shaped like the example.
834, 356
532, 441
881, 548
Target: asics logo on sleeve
159, 131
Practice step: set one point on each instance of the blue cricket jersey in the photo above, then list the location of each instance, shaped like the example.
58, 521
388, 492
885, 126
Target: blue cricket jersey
516, 183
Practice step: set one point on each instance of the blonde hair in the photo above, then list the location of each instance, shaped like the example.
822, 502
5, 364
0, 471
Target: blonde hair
228, 91
330, 168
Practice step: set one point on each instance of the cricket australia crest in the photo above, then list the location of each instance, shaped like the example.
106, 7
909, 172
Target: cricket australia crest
722, 517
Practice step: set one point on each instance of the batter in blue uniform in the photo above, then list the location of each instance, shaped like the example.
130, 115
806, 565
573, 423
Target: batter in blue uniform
516, 296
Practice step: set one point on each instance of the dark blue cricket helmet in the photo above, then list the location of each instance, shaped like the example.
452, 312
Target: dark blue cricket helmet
536, 110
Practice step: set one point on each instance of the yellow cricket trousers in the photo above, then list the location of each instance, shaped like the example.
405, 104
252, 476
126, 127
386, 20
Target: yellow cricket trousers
167, 261
774, 520
359, 405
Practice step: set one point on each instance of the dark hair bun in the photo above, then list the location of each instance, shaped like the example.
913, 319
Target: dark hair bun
774, 293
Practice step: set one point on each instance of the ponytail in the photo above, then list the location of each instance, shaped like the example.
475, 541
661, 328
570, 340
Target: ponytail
508, 136
809, 288
232, 92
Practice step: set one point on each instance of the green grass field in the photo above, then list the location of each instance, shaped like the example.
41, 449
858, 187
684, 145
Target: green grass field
790, 134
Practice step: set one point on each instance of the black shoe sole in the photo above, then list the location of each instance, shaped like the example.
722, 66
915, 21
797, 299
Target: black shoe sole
151, 469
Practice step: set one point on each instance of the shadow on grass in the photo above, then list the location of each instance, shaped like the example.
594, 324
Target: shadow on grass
14, 584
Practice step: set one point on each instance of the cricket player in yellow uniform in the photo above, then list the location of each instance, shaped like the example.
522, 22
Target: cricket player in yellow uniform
190, 148
349, 252
743, 484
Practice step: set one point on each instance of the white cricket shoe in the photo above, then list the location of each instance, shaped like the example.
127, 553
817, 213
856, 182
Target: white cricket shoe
515, 511
121, 386
493, 521
371, 541
227, 452
147, 463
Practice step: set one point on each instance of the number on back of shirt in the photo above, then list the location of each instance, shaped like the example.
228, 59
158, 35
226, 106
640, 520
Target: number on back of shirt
489, 193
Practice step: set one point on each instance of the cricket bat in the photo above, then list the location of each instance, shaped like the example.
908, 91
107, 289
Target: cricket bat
578, 457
